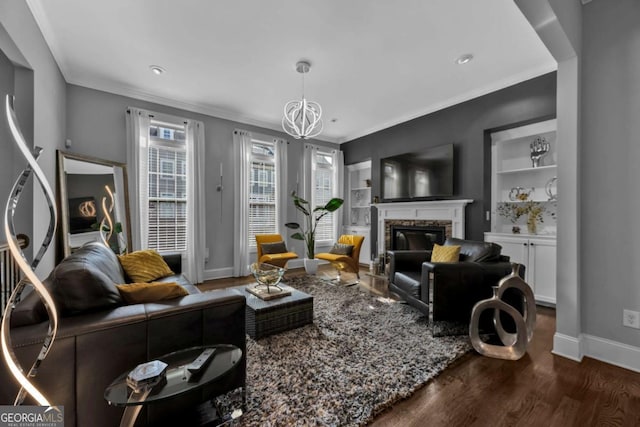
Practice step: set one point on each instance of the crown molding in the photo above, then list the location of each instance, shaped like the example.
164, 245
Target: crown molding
211, 110
206, 109
585, 1
475, 93
49, 36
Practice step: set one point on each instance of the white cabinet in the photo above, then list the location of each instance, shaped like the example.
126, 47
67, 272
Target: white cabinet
538, 254
512, 170
357, 212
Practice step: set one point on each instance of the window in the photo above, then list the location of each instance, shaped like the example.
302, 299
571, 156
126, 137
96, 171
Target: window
323, 191
167, 187
263, 212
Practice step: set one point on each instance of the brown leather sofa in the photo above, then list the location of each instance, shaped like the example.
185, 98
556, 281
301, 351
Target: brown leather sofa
455, 286
105, 338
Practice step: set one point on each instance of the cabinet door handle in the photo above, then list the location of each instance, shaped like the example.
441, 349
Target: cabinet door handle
532, 244
524, 244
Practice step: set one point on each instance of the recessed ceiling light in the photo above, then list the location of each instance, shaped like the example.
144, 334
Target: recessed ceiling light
464, 59
156, 69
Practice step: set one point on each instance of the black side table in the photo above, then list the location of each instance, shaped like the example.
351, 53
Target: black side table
178, 379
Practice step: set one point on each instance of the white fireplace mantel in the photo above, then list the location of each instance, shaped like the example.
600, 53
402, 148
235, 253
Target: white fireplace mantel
441, 210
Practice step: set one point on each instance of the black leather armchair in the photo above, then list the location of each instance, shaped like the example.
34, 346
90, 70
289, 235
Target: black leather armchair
451, 288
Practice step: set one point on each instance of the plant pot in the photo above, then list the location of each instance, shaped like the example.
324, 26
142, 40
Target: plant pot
311, 265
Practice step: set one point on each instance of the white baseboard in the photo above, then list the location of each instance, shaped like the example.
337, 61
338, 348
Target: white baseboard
218, 273
612, 352
295, 263
608, 351
567, 346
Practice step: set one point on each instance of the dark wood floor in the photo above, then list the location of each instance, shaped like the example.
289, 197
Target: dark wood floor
538, 390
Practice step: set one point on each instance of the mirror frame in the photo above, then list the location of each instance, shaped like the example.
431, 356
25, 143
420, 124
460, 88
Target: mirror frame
63, 197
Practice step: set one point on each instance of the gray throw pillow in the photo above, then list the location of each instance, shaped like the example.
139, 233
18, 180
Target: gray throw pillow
273, 248
341, 249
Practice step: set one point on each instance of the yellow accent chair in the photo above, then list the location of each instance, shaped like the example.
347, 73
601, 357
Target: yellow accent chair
344, 262
278, 259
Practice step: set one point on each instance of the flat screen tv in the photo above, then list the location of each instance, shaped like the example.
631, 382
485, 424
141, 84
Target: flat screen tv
423, 175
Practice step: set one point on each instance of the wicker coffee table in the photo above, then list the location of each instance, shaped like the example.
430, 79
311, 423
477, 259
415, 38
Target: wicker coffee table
265, 318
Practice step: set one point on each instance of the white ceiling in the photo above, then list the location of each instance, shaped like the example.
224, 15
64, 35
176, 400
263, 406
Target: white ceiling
375, 63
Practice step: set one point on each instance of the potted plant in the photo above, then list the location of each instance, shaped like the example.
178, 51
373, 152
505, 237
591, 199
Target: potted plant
307, 231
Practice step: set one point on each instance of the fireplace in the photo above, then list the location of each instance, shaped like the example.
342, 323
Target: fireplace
412, 237
438, 213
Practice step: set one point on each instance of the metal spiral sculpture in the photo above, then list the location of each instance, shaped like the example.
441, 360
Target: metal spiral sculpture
28, 269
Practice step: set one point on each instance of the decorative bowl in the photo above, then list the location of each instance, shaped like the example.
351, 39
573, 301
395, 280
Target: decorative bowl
267, 275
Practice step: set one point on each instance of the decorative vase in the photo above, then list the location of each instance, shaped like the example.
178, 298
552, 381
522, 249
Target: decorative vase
311, 265
514, 344
532, 224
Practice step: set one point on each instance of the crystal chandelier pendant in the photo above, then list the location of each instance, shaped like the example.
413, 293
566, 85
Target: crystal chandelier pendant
302, 119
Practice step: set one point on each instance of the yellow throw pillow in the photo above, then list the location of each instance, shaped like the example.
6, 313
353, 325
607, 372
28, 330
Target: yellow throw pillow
445, 253
136, 293
144, 266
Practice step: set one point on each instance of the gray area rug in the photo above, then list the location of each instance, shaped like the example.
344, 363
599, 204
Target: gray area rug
361, 354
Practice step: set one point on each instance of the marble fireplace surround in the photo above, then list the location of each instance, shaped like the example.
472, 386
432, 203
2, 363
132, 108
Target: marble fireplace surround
448, 213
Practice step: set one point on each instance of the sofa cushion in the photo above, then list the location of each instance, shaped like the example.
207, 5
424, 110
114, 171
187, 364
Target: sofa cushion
85, 280
144, 266
137, 293
474, 251
417, 240
449, 253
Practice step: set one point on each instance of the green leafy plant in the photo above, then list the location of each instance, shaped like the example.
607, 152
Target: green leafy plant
307, 231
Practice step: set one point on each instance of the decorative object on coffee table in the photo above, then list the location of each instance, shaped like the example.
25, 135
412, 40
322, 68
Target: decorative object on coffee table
539, 148
268, 276
514, 344
28, 269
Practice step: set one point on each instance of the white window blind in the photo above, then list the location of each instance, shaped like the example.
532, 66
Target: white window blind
167, 192
263, 212
323, 192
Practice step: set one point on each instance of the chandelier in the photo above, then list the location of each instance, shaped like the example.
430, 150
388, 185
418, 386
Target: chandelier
302, 118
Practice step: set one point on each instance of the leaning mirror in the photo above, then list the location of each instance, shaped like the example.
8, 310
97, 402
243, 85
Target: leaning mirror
85, 184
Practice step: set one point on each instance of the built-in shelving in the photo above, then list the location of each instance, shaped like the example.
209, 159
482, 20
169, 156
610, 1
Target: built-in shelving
511, 169
525, 170
357, 213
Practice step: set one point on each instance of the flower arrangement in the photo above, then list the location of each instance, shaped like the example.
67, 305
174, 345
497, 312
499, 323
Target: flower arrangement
523, 206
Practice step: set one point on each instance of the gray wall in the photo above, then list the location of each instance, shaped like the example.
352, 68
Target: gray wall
16, 81
8, 148
96, 127
466, 126
610, 201
40, 106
